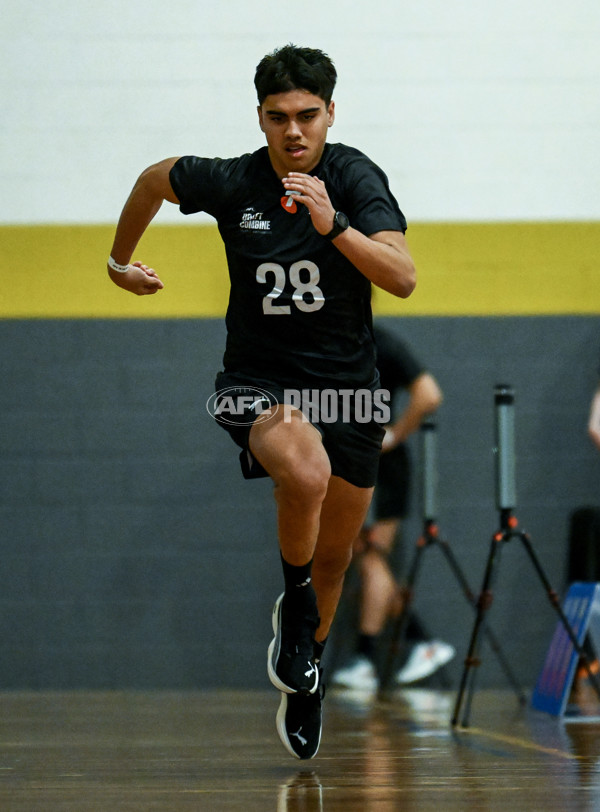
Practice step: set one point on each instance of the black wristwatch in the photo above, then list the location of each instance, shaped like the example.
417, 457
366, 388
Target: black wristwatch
340, 223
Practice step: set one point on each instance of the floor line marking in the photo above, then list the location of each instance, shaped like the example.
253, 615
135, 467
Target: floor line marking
517, 742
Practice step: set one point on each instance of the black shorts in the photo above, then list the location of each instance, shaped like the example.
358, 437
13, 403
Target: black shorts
352, 445
392, 491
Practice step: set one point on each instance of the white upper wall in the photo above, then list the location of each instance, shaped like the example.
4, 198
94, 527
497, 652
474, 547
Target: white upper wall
475, 110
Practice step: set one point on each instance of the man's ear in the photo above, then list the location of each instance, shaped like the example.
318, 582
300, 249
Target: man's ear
260, 117
331, 114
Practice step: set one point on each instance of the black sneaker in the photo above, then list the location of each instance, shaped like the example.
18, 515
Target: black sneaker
291, 664
299, 723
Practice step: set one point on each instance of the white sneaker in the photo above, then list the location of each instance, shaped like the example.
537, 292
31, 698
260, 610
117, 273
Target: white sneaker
360, 675
424, 660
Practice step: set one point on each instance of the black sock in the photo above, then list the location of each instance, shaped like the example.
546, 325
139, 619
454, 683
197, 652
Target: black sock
367, 646
300, 600
318, 649
296, 579
415, 632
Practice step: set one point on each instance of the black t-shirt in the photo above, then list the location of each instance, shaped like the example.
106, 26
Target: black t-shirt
299, 312
397, 365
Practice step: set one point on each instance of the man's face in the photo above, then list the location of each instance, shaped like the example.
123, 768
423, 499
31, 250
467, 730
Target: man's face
295, 124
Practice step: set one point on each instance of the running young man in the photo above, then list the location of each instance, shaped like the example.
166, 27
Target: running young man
307, 227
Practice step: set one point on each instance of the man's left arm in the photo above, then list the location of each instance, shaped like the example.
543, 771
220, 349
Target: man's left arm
383, 257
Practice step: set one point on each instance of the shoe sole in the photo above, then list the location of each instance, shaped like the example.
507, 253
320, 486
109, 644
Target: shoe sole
283, 735
433, 666
350, 682
273, 654
348, 685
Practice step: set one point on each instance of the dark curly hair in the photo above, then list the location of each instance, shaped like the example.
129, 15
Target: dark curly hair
294, 68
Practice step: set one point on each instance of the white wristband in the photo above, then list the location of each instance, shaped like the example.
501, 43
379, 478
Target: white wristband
116, 267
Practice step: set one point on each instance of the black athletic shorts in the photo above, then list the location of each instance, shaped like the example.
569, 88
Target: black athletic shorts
353, 446
392, 491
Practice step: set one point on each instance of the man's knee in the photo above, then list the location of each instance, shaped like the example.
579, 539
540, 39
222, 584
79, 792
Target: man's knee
304, 482
292, 452
374, 552
373, 562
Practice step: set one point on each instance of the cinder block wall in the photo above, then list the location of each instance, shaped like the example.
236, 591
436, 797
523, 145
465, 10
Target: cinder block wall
135, 555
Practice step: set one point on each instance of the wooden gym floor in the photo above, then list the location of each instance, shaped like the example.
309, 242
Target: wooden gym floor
219, 750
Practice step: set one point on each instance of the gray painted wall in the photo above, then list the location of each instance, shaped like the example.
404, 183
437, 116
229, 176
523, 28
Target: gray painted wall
135, 555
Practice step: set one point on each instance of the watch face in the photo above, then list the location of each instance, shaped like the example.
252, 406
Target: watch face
340, 223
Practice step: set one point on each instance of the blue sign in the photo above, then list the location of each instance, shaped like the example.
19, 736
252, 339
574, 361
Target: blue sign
582, 610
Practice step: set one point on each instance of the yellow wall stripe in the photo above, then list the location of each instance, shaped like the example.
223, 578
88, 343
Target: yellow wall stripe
465, 269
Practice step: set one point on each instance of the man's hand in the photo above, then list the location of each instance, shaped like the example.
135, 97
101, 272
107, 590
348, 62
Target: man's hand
150, 190
139, 279
311, 192
389, 440
382, 257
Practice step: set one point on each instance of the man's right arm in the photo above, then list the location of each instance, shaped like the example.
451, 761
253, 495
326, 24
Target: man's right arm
425, 397
150, 190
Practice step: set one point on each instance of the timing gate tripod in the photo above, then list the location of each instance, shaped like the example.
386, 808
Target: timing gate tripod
430, 537
506, 501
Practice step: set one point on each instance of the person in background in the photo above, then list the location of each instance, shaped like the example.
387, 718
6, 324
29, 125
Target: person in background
594, 420
380, 595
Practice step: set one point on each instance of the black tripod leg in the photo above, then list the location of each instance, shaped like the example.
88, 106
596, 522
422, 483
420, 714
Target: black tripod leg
483, 603
554, 600
491, 637
402, 620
